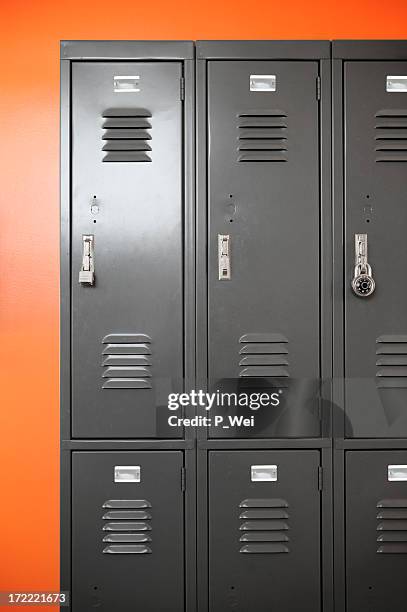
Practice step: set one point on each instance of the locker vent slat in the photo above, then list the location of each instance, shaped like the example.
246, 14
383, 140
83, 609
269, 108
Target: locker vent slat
130, 549
393, 549
127, 135
391, 526
391, 136
263, 355
264, 547
126, 361
263, 526
264, 514
392, 537
264, 536
393, 513
126, 503
127, 537
127, 527
262, 136
263, 503
391, 361
128, 515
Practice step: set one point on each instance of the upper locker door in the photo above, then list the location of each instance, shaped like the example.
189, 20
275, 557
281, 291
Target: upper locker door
376, 212
127, 328
264, 209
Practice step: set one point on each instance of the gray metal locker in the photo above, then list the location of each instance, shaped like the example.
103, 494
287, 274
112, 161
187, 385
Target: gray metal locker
264, 531
370, 321
375, 110
127, 531
376, 530
127, 210
127, 324
264, 216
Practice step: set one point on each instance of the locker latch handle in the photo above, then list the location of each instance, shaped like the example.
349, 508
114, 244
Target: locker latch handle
363, 283
224, 256
87, 271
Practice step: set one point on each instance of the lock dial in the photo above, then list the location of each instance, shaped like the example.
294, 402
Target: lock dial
363, 285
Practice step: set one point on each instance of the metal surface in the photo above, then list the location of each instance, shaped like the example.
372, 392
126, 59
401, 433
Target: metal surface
263, 49
264, 193
286, 317
127, 49
123, 198
369, 49
133, 315
110, 566
375, 184
369, 425
210, 117
264, 537
376, 535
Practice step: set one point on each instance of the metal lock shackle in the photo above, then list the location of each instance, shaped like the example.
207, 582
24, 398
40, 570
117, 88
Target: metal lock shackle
363, 283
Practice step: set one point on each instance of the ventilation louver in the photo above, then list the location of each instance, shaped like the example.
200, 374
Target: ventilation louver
391, 136
126, 361
127, 135
262, 136
127, 526
263, 355
264, 526
392, 526
391, 361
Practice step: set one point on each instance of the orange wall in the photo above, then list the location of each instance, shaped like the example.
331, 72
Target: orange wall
29, 99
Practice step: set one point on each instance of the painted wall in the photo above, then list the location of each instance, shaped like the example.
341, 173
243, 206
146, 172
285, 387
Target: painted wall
29, 99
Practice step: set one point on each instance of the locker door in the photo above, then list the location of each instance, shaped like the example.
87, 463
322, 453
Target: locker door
264, 526
127, 531
127, 349
264, 201
375, 199
376, 536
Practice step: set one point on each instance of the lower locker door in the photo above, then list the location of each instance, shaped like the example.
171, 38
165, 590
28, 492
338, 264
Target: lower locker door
264, 531
376, 531
127, 532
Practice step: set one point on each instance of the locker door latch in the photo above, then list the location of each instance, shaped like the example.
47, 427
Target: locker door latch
363, 283
224, 256
87, 271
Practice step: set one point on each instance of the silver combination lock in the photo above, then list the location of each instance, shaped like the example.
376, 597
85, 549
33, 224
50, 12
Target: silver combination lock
363, 283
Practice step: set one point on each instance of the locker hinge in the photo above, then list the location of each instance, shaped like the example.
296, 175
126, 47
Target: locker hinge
182, 88
318, 87
320, 478
182, 479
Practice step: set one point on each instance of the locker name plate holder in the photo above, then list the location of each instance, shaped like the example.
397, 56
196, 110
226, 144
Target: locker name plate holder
397, 473
127, 473
396, 84
263, 82
224, 257
126, 84
263, 473
363, 283
87, 271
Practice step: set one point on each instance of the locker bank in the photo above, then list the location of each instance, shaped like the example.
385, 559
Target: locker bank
232, 221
